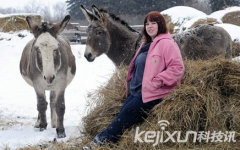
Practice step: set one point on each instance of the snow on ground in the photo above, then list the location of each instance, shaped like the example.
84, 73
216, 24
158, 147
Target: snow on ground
18, 104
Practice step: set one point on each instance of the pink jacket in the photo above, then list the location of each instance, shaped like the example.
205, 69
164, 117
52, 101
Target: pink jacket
164, 68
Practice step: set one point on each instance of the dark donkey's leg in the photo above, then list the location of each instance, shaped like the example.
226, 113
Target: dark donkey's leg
60, 110
41, 107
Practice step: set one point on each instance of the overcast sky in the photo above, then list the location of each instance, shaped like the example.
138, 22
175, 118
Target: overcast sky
21, 3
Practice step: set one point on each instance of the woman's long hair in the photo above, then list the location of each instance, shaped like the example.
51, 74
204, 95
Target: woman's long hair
154, 16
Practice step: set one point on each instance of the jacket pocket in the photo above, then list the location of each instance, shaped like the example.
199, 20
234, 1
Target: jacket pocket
157, 83
155, 59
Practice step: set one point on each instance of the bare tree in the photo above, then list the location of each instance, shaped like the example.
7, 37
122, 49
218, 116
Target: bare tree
202, 5
9, 10
46, 13
39, 7
49, 13
59, 10
33, 7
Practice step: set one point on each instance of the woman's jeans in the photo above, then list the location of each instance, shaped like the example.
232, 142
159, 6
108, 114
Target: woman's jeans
133, 111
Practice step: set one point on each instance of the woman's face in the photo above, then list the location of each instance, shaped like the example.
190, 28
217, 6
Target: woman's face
152, 29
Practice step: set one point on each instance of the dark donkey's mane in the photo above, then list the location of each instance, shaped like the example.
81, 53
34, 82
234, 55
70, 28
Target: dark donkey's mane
46, 27
118, 19
123, 22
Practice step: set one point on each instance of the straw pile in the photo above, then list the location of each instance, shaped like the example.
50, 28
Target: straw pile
203, 20
231, 18
208, 99
17, 22
108, 100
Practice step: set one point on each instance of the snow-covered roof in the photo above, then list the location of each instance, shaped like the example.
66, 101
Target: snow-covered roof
221, 13
179, 14
233, 30
18, 14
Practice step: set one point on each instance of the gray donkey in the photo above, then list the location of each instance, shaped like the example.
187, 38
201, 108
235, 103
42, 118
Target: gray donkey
47, 63
109, 34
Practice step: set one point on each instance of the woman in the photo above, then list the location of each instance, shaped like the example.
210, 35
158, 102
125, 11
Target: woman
155, 71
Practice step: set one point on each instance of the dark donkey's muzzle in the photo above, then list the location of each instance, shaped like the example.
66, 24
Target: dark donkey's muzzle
89, 57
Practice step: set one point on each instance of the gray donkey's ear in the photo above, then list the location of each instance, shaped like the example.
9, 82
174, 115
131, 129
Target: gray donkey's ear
59, 27
87, 13
96, 12
33, 26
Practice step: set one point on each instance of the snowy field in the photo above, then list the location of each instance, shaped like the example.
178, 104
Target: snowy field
18, 104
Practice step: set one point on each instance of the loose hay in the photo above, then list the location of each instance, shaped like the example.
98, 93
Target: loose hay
207, 100
108, 100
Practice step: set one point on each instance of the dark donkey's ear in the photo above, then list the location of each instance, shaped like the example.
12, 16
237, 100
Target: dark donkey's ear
96, 12
59, 27
88, 14
33, 26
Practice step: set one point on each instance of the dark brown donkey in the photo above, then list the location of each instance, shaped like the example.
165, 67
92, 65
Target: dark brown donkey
109, 34
47, 63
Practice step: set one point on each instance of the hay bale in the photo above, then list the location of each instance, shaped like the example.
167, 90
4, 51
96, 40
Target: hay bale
232, 17
207, 100
16, 22
199, 20
175, 20
228, 15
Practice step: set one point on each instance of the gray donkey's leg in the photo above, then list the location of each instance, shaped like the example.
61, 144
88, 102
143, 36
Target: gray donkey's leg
53, 109
41, 107
60, 110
